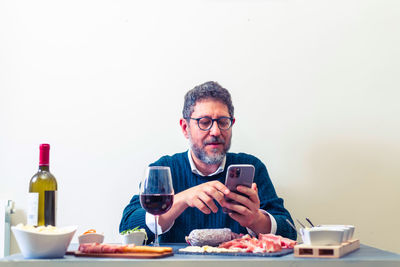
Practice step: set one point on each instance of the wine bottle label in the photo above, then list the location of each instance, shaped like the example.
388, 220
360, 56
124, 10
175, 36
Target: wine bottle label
50, 200
33, 208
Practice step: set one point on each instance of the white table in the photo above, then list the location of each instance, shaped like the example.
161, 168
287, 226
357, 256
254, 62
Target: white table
364, 257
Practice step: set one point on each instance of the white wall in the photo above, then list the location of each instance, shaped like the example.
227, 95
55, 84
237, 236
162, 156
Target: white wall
315, 85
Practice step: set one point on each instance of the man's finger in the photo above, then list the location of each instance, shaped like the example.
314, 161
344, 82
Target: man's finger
208, 201
244, 200
250, 192
238, 208
220, 187
201, 206
216, 195
254, 187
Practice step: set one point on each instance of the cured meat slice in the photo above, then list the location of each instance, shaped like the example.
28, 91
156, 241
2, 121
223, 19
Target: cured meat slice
264, 243
114, 248
101, 248
287, 243
283, 241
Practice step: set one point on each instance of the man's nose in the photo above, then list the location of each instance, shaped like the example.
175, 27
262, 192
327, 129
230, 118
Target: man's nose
215, 131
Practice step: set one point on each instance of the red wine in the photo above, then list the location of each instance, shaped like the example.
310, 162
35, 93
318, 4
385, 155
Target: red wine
156, 204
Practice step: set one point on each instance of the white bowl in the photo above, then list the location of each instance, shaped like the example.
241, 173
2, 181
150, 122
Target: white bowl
91, 238
346, 230
322, 236
36, 245
352, 229
349, 230
136, 238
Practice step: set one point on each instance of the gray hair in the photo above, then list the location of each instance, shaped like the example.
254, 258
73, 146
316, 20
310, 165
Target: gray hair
208, 90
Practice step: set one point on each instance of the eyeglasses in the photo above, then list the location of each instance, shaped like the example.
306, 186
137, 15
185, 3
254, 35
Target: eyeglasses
206, 123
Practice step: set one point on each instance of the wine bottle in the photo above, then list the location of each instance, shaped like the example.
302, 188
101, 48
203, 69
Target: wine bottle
42, 197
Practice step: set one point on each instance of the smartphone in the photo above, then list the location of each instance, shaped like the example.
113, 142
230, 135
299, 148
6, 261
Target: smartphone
238, 174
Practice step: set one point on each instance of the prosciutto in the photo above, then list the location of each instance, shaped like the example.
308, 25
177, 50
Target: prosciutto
114, 248
284, 242
263, 244
101, 248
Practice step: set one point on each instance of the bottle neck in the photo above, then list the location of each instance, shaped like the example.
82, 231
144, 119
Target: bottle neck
44, 157
44, 168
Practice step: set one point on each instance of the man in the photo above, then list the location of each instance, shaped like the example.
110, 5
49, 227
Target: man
199, 174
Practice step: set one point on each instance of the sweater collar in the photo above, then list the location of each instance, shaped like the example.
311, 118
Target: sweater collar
196, 171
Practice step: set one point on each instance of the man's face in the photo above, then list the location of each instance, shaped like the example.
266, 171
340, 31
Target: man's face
209, 146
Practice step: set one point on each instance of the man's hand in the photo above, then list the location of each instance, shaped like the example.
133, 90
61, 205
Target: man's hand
203, 196
247, 209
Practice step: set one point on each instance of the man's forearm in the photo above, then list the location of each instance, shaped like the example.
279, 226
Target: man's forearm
262, 224
166, 220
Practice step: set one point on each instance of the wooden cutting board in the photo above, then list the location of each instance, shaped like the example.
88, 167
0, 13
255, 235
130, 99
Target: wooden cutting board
137, 255
309, 251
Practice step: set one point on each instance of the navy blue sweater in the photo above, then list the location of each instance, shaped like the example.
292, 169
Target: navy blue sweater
183, 178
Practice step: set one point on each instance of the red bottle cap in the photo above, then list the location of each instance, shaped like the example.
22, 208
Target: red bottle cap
44, 158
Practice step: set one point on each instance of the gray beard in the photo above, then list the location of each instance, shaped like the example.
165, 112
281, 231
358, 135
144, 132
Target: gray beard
215, 158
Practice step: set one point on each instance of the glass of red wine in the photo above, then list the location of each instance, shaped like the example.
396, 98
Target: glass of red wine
157, 193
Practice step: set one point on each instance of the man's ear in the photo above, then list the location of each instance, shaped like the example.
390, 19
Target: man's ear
184, 127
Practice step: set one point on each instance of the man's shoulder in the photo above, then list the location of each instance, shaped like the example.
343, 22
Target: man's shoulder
171, 159
242, 158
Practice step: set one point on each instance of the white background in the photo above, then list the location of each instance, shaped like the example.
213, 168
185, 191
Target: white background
315, 86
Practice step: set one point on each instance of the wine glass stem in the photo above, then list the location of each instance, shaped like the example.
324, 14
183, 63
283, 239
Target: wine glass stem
156, 244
